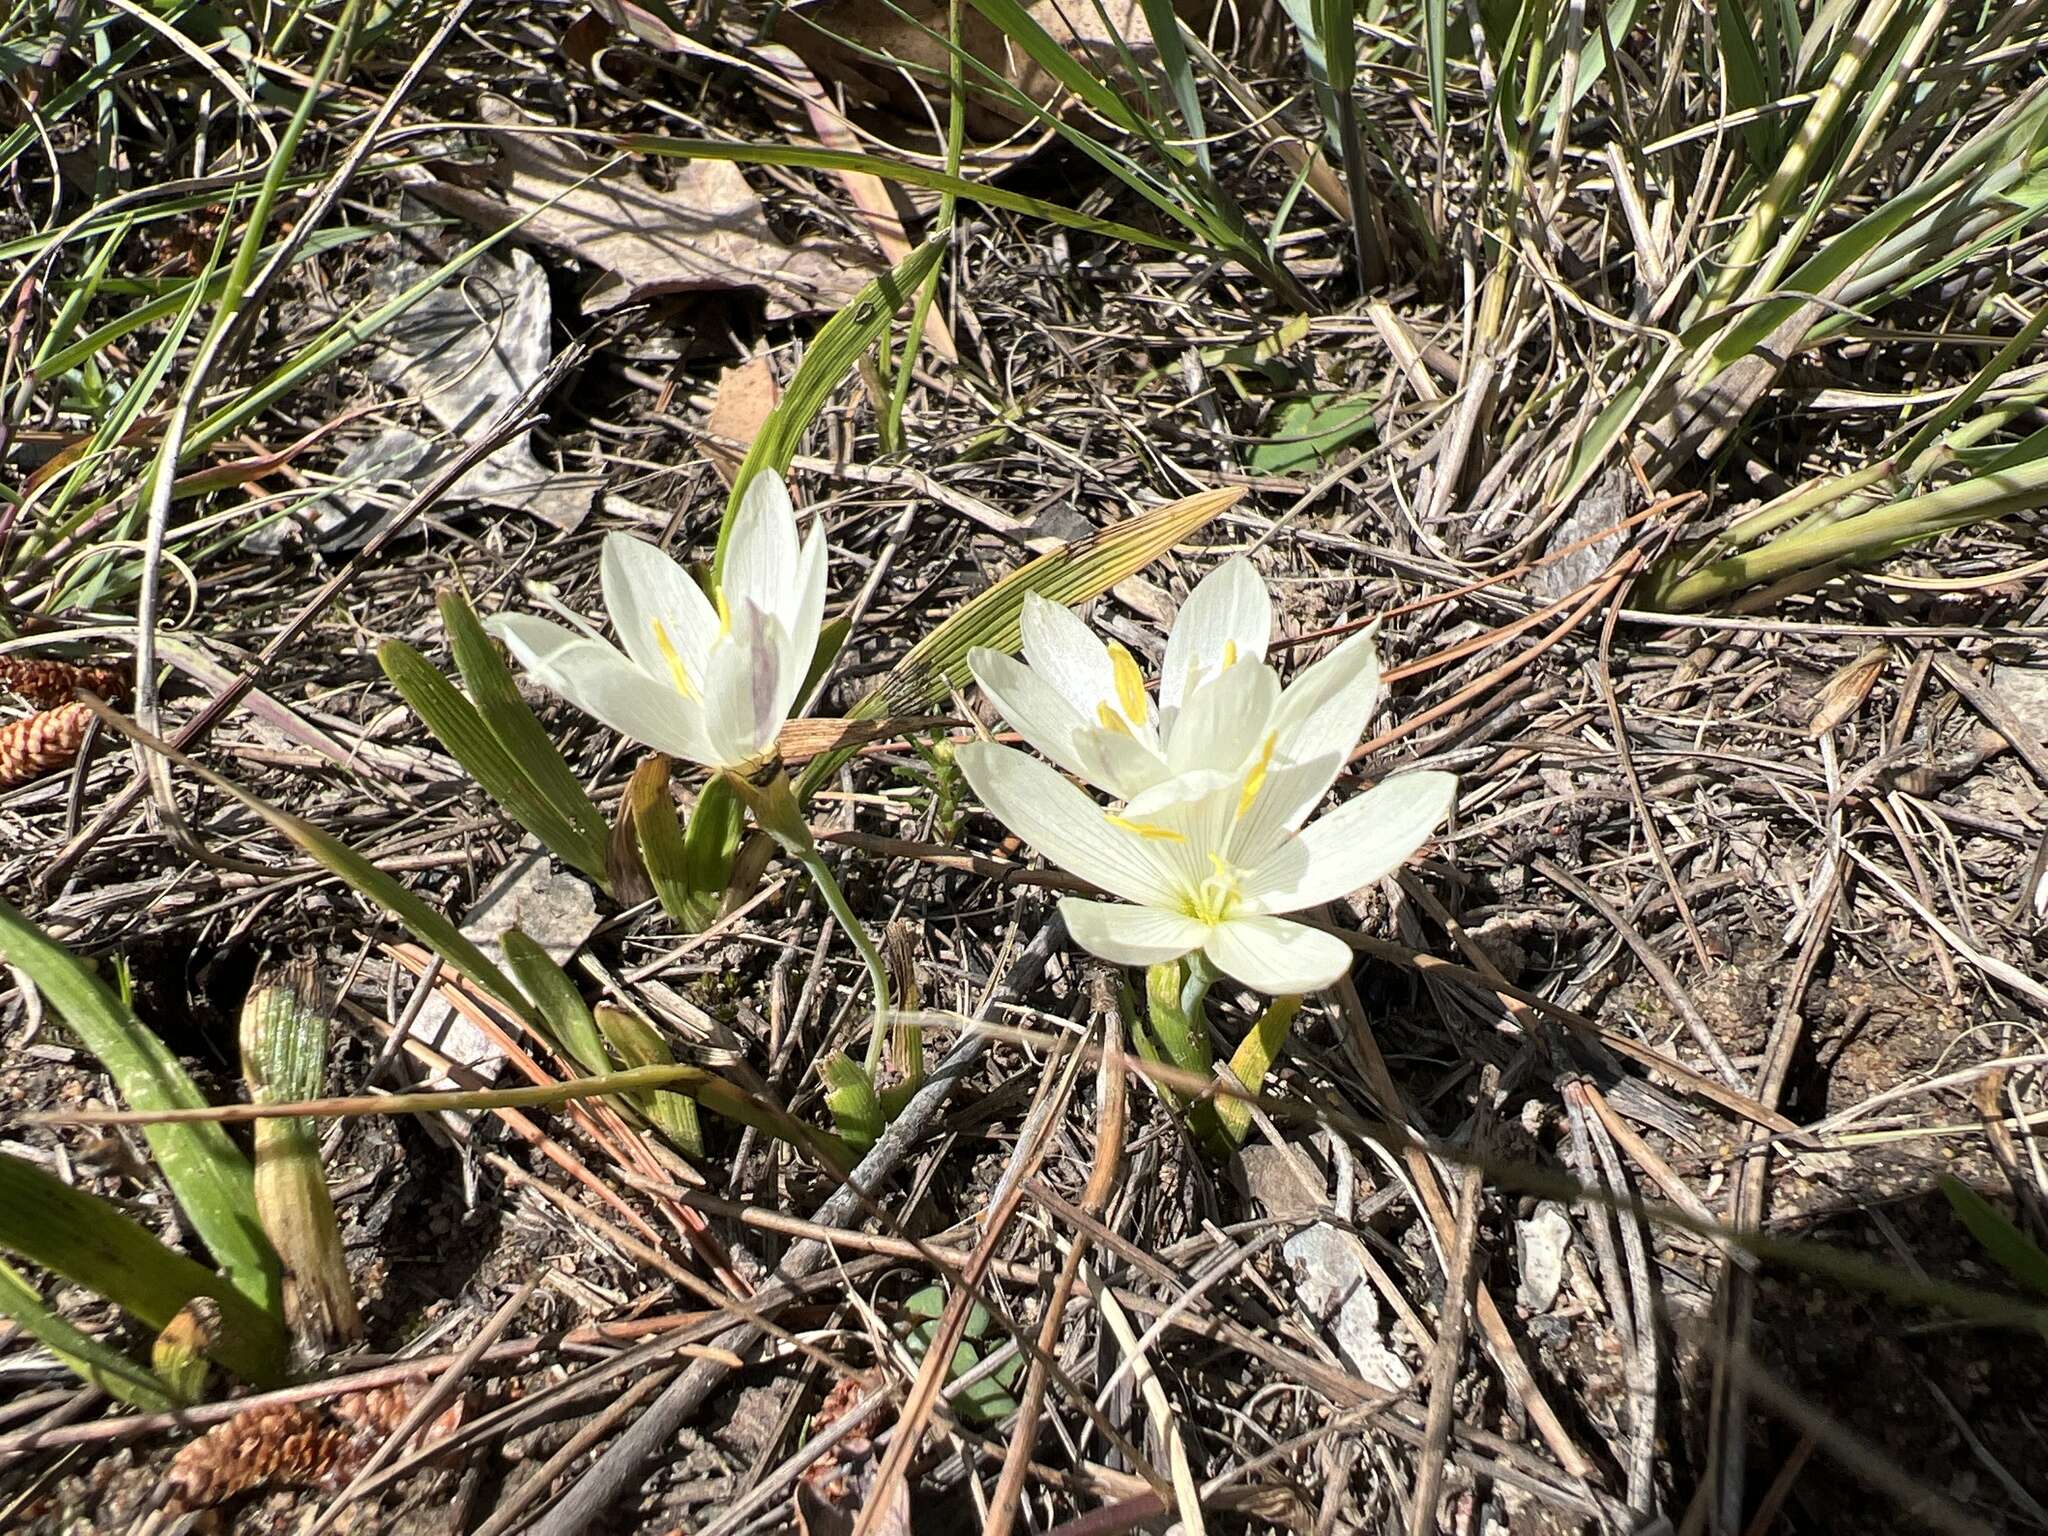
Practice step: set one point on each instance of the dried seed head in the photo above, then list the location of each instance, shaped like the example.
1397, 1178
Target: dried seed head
47, 684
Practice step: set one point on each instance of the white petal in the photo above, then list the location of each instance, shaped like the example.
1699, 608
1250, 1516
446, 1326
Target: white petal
761, 552
744, 683
1223, 719
1325, 710
1274, 956
1277, 804
808, 611
1354, 845
599, 681
1063, 823
1191, 816
643, 587
1109, 760
1067, 654
1229, 607
1130, 935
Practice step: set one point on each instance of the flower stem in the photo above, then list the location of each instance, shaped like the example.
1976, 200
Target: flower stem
775, 809
878, 973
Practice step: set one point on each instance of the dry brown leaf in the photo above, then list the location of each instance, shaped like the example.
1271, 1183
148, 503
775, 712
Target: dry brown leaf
802, 740
704, 231
1843, 694
834, 35
747, 392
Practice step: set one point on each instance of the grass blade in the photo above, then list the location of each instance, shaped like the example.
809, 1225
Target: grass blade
212, 1181
459, 727
495, 693
838, 346
89, 1242
335, 856
571, 1029
96, 1364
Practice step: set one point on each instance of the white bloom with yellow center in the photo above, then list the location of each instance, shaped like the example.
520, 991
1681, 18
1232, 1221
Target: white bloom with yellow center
1210, 857
1083, 702
712, 682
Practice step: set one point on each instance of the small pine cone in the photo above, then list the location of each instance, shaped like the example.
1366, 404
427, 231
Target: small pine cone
294, 1443
46, 684
298, 1445
31, 748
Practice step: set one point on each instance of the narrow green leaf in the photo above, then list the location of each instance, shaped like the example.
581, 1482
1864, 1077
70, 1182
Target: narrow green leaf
89, 1242
1309, 431
2016, 1253
831, 356
831, 641
459, 727
495, 693
684, 887
570, 1028
1742, 77
335, 856
213, 1182
636, 1044
1164, 23
1252, 1061
96, 1364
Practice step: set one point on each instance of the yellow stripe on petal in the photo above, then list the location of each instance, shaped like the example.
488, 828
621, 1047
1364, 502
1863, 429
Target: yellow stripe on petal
1146, 830
1130, 682
678, 673
724, 613
1110, 720
1256, 779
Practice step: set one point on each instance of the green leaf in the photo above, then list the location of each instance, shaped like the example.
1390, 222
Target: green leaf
635, 1042
839, 344
712, 842
459, 727
89, 1242
831, 641
570, 1028
1742, 77
1309, 431
1252, 1061
213, 1182
495, 693
335, 856
688, 889
96, 1364
2016, 1253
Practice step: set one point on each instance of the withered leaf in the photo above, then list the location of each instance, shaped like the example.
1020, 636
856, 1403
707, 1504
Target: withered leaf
706, 230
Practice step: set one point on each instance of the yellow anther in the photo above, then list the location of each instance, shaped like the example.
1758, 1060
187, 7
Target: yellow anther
1256, 779
1110, 720
1146, 830
1229, 653
1130, 682
677, 672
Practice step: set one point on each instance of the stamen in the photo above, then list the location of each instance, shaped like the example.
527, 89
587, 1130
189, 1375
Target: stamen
1256, 779
724, 613
677, 672
1110, 720
1147, 830
1130, 682
1229, 653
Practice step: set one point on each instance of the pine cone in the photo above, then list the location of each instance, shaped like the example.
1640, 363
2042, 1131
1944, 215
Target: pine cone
46, 684
300, 1445
31, 748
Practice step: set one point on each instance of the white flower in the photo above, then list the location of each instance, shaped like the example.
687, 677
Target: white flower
1083, 703
1209, 858
710, 682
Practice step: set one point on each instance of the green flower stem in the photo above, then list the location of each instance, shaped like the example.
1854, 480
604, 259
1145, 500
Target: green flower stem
775, 809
